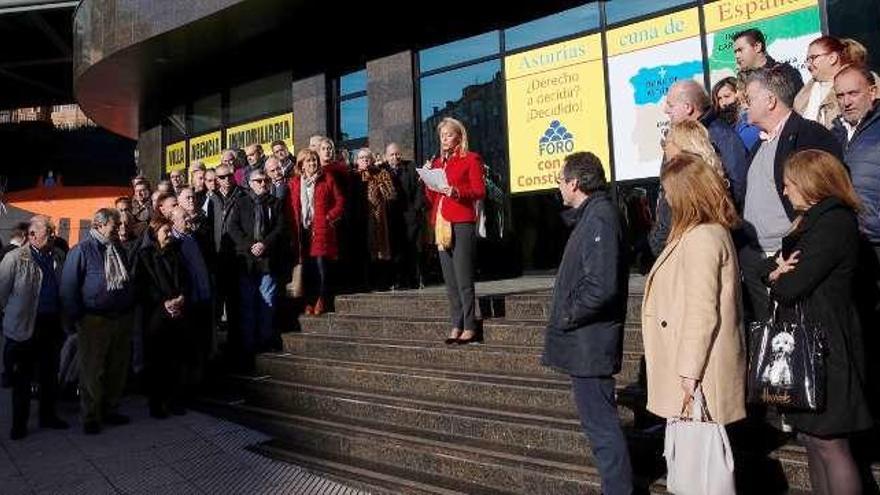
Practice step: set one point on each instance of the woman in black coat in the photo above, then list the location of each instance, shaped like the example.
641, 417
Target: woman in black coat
160, 278
817, 267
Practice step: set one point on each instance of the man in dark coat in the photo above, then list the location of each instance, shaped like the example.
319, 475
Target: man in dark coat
585, 333
688, 100
256, 227
767, 212
750, 52
406, 218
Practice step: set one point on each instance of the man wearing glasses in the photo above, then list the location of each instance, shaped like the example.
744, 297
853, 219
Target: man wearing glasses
256, 228
584, 337
222, 204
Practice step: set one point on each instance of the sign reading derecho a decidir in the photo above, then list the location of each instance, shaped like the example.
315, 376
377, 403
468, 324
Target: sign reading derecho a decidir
262, 132
555, 106
175, 156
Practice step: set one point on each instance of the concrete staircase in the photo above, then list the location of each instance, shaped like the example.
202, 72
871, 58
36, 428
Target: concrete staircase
372, 395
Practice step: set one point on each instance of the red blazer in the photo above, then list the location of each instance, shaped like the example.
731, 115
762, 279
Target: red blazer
329, 206
465, 175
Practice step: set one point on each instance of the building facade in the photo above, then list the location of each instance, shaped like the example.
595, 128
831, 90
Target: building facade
531, 83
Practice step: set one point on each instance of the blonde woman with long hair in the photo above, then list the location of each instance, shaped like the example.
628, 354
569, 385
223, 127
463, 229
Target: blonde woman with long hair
687, 136
454, 216
692, 311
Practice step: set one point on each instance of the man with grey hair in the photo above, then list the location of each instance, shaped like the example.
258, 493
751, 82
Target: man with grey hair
584, 336
406, 218
767, 212
688, 100
29, 296
277, 181
98, 298
256, 228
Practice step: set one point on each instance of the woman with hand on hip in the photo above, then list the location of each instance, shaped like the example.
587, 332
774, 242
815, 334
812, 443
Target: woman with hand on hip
454, 215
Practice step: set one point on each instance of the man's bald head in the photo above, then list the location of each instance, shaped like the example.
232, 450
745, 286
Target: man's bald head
686, 100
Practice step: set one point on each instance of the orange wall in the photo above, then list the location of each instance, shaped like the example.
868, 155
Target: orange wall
63, 202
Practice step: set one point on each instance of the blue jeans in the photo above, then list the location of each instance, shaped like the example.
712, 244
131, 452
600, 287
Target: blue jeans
597, 408
257, 311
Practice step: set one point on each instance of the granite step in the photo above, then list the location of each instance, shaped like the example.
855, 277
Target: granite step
412, 304
530, 435
441, 461
495, 331
536, 307
529, 395
480, 358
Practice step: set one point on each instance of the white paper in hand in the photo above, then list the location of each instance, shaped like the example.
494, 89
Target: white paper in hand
434, 178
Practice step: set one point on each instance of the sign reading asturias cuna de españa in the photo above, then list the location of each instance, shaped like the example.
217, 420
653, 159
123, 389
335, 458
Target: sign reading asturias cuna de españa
555, 106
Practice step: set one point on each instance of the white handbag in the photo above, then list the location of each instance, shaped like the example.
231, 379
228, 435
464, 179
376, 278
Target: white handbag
698, 456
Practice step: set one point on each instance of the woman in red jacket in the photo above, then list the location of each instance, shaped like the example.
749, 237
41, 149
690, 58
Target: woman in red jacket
454, 215
316, 203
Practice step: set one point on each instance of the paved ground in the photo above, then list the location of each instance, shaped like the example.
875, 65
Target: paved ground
192, 454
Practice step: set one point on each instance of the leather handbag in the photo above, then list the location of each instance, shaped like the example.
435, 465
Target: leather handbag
697, 451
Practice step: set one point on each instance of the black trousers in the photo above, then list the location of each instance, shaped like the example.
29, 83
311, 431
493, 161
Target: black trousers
164, 340
40, 353
458, 274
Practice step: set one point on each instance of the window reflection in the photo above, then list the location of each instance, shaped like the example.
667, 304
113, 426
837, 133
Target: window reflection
473, 95
459, 51
353, 123
265, 96
355, 82
621, 10
205, 114
578, 19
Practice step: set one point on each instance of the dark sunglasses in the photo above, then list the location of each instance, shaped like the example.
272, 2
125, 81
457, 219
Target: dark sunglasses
225, 176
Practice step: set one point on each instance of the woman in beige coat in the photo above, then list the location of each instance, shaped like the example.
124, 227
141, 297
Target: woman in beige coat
692, 312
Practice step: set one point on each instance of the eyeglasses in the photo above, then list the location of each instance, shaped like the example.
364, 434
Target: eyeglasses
561, 180
812, 58
259, 181
224, 176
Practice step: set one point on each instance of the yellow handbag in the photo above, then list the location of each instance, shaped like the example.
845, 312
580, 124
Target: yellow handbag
442, 230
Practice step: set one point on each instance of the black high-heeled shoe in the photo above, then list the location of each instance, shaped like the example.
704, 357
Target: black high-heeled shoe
475, 337
453, 337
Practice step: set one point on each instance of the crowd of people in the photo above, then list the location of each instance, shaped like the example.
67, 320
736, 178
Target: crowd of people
770, 195
768, 217
164, 269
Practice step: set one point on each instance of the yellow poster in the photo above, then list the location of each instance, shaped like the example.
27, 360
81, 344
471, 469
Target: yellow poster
723, 14
555, 107
262, 132
206, 149
175, 156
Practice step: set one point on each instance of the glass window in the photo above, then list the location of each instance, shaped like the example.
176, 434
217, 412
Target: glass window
621, 10
459, 51
265, 96
583, 18
475, 96
355, 82
353, 123
206, 114
175, 128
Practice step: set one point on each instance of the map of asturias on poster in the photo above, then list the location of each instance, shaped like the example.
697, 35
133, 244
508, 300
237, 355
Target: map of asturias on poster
645, 59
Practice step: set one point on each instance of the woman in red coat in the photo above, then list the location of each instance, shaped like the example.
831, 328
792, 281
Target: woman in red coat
316, 203
454, 215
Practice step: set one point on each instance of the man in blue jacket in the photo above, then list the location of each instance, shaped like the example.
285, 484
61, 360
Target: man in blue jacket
98, 297
585, 333
858, 130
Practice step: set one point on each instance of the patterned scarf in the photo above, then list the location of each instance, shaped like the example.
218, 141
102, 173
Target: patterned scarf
307, 200
115, 273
